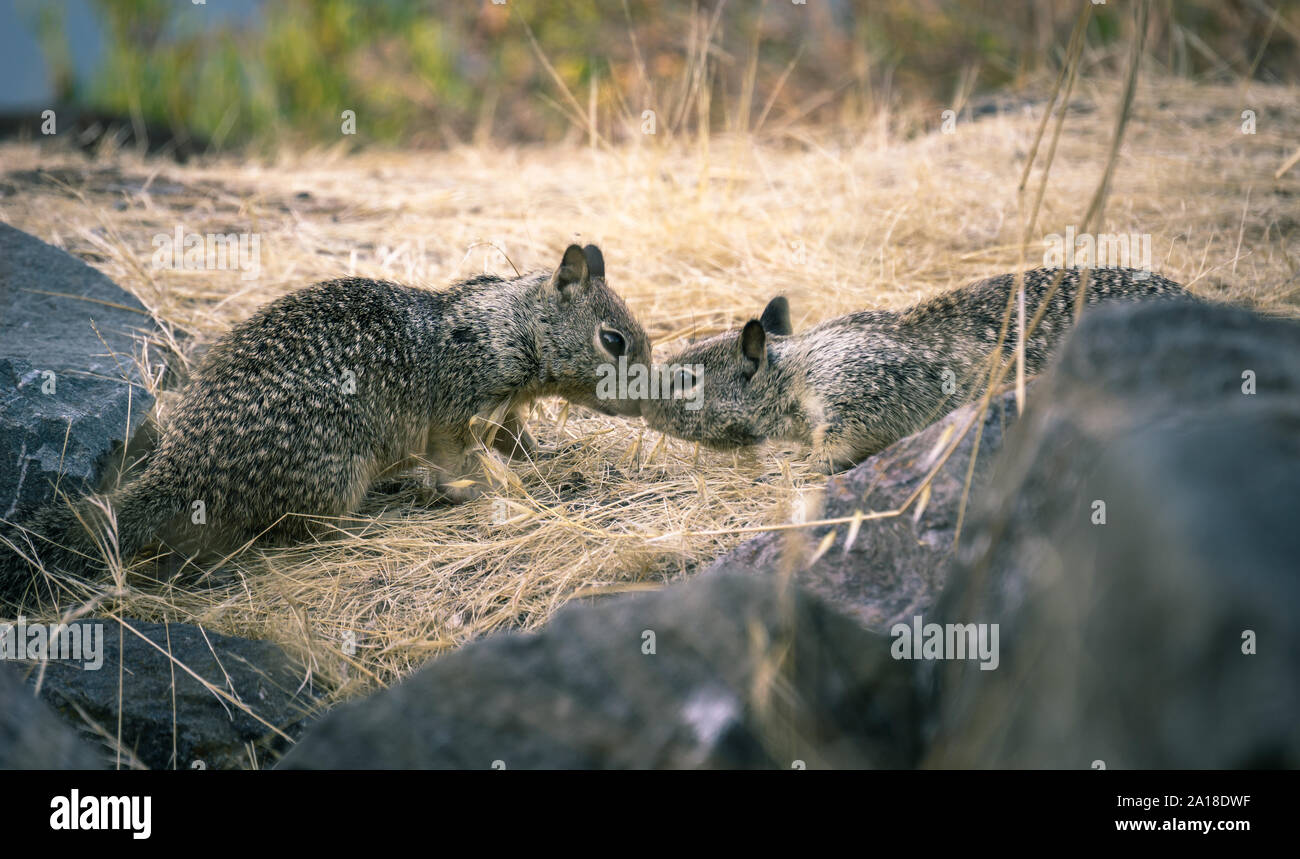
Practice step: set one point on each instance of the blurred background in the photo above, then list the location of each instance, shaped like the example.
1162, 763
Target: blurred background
423, 73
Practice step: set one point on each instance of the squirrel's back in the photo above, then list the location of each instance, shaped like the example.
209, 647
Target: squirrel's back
975, 312
913, 366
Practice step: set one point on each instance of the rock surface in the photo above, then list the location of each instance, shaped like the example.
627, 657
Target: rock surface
1164, 636
896, 566
32, 736
745, 672
55, 369
169, 719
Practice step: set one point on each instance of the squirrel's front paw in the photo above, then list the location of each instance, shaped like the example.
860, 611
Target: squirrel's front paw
825, 459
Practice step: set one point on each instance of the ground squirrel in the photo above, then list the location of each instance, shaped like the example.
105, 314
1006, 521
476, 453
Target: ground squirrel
853, 385
298, 409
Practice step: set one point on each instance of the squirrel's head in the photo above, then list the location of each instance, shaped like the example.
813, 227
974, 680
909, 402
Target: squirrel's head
591, 333
722, 391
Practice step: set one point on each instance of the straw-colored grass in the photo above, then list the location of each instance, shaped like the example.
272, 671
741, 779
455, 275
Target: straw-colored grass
697, 237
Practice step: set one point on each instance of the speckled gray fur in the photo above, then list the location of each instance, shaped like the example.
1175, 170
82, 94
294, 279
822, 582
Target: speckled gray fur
853, 385
297, 410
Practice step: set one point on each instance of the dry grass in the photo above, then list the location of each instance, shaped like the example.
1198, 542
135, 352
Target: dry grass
697, 237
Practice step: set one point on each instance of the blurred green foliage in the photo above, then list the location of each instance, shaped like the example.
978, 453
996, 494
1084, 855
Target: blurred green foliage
426, 72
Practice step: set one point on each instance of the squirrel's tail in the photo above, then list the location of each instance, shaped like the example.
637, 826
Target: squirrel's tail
76, 538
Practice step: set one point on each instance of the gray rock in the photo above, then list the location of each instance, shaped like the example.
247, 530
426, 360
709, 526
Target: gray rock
32, 736
1123, 642
168, 718
896, 566
95, 383
745, 672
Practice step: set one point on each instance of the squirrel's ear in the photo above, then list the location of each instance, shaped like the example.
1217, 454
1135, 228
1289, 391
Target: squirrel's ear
753, 346
595, 260
776, 317
572, 272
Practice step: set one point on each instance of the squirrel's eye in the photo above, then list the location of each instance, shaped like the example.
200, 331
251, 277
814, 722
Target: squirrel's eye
683, 379
613, 342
